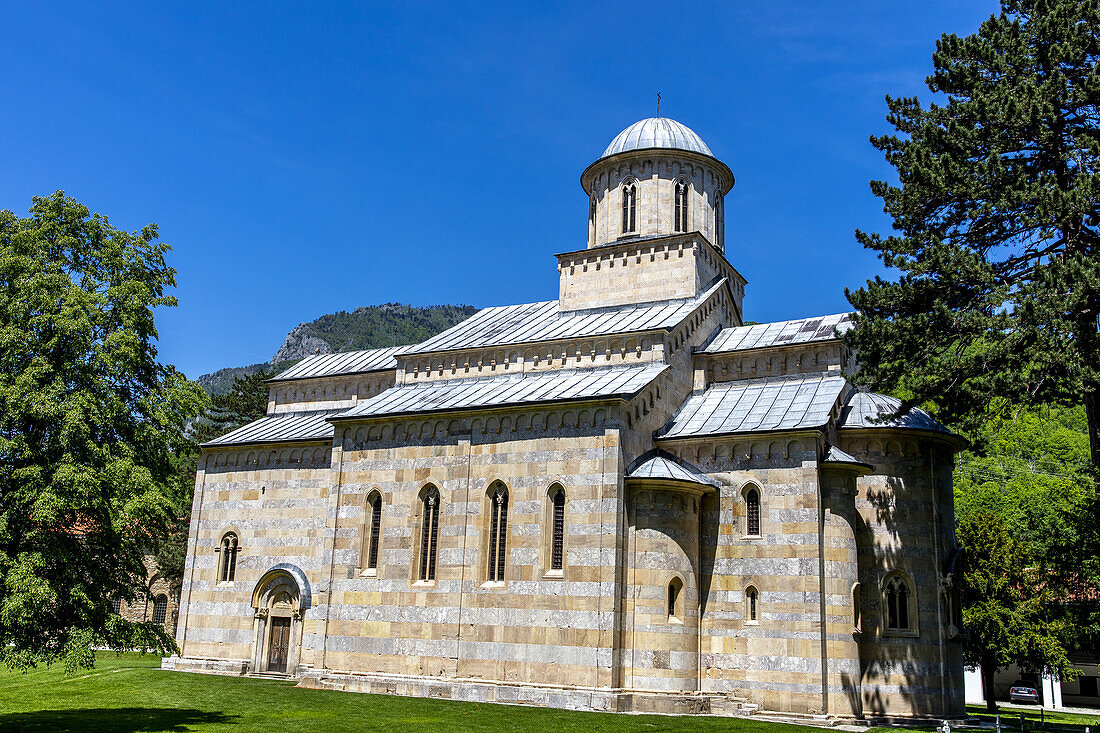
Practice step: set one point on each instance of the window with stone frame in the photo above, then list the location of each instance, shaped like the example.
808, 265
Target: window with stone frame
160, 609
675, 600
752, 605
372, 532
116, 605
752, 512
899, 604
630, 206
429, 533
557, 527
680, 206
857, 608
227, 568
498, 533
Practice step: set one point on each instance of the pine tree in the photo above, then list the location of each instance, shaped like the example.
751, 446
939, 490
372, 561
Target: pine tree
996, 216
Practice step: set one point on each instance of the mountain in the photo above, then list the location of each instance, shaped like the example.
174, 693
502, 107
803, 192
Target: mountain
369, 327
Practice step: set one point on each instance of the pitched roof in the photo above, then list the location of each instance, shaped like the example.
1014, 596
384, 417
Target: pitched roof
348, 362
280, 429
780, 333
871, 410
529, 322
459, 394
660, 465
792, 402
836, 455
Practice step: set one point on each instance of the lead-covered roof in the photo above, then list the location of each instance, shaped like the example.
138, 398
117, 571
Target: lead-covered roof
871, 410
348, 362
794, 402
280, 429
780, 333
532, 322
557, 386
659, 465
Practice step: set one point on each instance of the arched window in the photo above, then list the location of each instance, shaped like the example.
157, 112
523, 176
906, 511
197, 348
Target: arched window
630, 206
752, 605
752, 512
675, 600
899, 602
557, 528
228, 549
719, 220
429, 533
498, 532
374, 531
680, 207
116, 605
857, 608
160, 609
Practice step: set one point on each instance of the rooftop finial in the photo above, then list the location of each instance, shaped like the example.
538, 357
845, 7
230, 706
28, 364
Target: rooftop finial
658, 104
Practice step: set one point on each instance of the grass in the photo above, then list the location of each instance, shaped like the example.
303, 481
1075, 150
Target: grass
1010, 717
130, 693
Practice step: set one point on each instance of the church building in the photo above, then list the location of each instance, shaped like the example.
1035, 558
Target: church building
623, 499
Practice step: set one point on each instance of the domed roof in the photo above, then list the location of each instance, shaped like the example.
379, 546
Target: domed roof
657, 132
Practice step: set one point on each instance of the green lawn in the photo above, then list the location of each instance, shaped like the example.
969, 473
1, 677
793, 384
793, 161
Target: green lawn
1010, 717
130, 694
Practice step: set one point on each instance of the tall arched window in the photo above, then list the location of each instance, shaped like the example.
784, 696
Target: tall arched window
752, 605
498, 532
630, 206
680, 207
675, 601
116, 605
228, 549
557, 528
898, 603
374, 531
857, 608
752, 512
160, 609
429, 533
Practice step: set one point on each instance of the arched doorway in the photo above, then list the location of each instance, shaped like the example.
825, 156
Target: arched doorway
279, 604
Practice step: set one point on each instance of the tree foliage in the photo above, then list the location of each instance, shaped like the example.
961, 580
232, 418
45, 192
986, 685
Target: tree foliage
90, 423
1006, 604
997, 224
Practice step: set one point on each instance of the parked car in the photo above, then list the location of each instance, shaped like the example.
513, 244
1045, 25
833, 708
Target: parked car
1022, 691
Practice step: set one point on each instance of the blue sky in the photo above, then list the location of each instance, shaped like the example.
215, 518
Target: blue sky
307, 158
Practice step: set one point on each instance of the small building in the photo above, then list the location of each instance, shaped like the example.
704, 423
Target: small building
621, 499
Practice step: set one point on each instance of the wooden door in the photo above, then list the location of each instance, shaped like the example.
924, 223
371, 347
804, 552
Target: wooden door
280, 644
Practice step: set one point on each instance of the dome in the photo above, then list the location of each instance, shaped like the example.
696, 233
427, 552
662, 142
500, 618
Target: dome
657, 132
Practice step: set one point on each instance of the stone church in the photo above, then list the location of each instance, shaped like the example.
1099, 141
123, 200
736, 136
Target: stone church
623, 499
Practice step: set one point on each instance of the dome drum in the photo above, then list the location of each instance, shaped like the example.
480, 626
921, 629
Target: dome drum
656, 178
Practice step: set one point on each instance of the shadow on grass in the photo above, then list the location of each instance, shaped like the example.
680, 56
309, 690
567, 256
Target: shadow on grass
120, 720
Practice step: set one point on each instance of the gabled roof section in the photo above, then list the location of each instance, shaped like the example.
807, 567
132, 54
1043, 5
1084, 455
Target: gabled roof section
532, 322
662, 466
279, 429
871, 410
465, 394
796, 402
348, 362
780, 333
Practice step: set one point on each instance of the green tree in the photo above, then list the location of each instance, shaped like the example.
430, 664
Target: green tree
1005, 605
90, 423
996, 216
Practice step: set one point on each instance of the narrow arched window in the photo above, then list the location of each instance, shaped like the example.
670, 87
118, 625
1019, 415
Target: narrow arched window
752, 603
898, 600
498, 532
675, 591
429, 534
116, 605
680, 207
375, 533
160, 609
857, 608
630, 207
228, 549
557, 528
752, 512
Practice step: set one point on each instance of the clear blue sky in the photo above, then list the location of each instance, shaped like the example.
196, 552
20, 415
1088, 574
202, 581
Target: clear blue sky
307, 158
